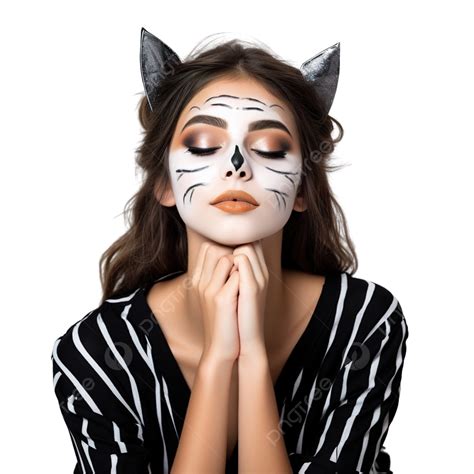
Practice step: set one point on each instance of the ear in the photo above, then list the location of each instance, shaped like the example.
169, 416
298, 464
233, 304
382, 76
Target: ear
165, 198
322, 71
300, 204
156, 61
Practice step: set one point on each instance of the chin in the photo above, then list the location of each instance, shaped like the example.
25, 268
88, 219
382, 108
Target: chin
230, 234
234, 240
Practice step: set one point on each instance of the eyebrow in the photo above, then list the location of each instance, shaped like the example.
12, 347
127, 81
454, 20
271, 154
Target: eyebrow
220, 122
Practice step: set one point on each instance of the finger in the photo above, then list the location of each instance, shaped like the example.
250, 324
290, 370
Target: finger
232, 284
221, 272
214, 253
249, 251
245, 271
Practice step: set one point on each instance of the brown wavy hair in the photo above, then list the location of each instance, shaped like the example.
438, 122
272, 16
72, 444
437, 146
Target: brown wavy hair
155, 244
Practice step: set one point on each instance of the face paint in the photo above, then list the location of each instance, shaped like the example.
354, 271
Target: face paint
235, 137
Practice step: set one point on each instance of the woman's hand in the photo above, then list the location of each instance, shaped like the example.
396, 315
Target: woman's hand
217, 292
250, 265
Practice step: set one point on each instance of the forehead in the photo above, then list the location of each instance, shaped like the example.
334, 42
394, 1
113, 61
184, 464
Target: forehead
239, 98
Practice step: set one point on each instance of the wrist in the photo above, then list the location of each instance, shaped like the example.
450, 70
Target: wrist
211, 362
253, 355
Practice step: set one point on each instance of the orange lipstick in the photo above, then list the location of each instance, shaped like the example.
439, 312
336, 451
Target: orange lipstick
235, 201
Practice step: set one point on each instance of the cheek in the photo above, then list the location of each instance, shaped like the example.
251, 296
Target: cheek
282, 178
191, 178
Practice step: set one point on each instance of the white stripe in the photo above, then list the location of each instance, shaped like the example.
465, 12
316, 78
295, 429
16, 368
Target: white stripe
80, 347
118, 356
361, 398
85, 447
368, 296
85, 395
56, 378
117, 438
168, 402
304, 467
133, 334
165, 390
386, 315
158, 407
326, 428
90, 441
299, 445
387, 393
125, 298
386, 423
339, 308
113, 464
139, 430
297, 383
77, 451
365, 441
70, 405
355, 328
145, 357
129, 297
282, 413
148, 358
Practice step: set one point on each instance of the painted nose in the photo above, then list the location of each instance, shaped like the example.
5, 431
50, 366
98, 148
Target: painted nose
237, 159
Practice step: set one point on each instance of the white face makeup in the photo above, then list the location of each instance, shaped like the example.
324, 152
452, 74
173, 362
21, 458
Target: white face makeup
235, 136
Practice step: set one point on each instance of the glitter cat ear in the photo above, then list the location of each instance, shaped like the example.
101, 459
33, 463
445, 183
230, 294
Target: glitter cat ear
322, 71
157, 60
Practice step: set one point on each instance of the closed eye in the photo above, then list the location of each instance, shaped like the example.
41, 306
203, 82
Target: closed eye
209, 151
270, 154
202, 151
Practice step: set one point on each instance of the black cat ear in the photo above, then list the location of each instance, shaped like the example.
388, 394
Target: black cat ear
157, 60
322, 71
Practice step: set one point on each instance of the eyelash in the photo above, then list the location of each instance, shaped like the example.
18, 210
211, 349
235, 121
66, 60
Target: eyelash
210, 151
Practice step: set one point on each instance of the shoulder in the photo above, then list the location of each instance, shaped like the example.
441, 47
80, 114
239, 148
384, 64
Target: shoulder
369, 305
103, 358
103, 340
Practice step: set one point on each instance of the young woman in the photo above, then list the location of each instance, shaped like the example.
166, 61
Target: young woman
232, 335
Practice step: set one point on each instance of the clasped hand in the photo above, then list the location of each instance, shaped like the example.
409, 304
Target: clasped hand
253, 282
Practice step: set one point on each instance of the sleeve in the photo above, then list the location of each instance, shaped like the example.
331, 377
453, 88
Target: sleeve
348, 436
103, 438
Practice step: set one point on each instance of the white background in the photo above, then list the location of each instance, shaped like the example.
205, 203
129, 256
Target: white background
70, 85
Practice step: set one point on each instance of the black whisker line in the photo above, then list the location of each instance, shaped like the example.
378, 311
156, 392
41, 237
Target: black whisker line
278, 199
221, 95
191, 188
181, 170
255, 100
278, 193
281, 172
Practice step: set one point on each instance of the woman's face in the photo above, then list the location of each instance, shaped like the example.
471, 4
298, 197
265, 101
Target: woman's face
234, 135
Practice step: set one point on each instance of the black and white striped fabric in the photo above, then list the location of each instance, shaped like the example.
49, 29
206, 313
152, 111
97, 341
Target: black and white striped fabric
123, 396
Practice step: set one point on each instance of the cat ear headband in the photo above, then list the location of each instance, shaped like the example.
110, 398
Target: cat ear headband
157, 60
